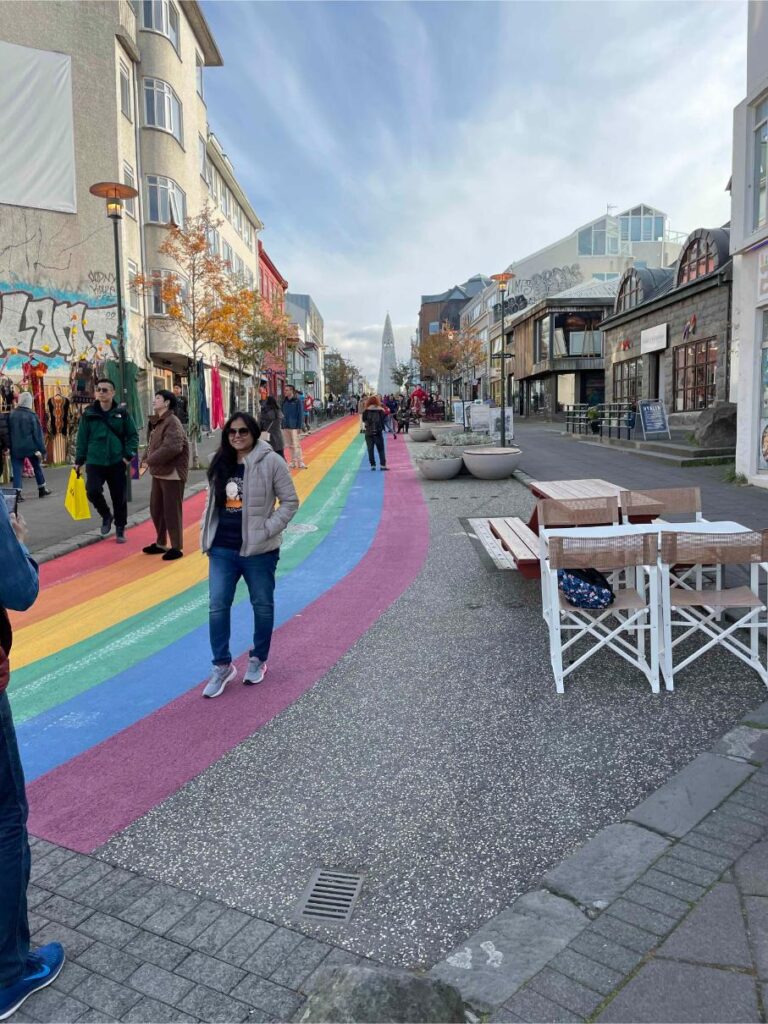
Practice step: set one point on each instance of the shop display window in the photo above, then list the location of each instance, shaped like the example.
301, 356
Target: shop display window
695, 368
627, 379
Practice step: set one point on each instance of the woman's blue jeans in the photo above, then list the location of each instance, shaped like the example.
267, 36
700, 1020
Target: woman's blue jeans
17, 465
14, 854
225, 567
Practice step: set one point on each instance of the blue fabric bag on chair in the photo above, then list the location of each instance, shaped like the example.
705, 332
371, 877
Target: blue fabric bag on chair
585, 588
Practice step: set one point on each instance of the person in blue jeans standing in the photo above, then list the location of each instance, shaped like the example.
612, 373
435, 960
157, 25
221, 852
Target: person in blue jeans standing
241, 530
22, 971
27, 442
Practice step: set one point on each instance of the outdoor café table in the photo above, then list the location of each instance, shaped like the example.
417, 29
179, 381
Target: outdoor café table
562, 490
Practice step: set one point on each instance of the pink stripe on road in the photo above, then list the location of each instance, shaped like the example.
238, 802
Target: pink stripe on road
84, 802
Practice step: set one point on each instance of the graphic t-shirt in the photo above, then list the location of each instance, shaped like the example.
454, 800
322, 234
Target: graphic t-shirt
229, 532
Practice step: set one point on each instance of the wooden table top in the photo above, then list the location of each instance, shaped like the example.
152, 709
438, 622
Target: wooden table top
562, 489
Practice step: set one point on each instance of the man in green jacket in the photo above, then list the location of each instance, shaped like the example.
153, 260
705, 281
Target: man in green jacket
107, 440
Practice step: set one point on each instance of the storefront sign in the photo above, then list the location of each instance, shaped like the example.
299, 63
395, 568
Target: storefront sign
654, 339
653, 417
762, 276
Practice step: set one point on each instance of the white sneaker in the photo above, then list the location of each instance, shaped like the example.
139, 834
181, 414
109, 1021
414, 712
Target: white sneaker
221, 675
302, 465
255, 672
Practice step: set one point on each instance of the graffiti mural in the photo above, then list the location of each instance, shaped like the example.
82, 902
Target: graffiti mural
51, 328
548, 282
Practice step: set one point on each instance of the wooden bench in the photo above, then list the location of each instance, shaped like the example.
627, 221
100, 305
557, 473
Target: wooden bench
520, 541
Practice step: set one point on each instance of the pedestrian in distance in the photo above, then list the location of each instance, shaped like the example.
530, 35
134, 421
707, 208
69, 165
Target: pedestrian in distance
182, 406
293, 418
361, 409
374, 417
22, 971
26, 442
309, 405
241, 531
271, 425
107, 440
167, 459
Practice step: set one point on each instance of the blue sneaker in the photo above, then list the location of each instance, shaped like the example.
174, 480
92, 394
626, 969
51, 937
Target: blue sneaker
43, 967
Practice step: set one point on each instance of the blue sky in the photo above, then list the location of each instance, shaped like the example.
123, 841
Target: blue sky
394, 149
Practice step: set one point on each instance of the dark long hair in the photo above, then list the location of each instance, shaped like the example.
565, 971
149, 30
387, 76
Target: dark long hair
271, 403
224, 461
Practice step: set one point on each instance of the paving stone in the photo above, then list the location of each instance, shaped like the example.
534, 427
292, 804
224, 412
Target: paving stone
199, 918
607, 865
723, 825
751, 870
42, 846
757, 717
210, 972
106, 886
566, 992
157, 950
680, 804
36, 896
271, 953
743, 741
160, 908
45, 860
336, 958
106, 995
606, 951
729, 849
687, 871
749, 800
671, 884
83, 880
625, 934
266, 996
744, 813
650, 920
95, 1017
701, 858
530, 1006
300, 963
245, 942
160, 984
713, 933
212, 1006
108, 929
655, 900
56, 876
666, 991
587, 971
109, 961
527, 936
220, 931
71, 975
73, 942
504, 1016
756, 786
757, 917
150, 1011
35, 921
64, 911
54, 1006
117, 900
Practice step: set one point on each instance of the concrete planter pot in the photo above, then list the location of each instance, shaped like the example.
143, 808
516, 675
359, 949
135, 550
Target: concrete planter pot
491, 463
440, 469
421, 434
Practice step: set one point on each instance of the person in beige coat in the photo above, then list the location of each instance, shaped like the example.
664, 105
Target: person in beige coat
167, 458
241, 530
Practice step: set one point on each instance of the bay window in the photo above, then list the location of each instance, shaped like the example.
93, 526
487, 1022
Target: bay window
162, 108
166, 202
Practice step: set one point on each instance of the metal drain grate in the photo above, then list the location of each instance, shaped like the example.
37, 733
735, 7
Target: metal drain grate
331, 896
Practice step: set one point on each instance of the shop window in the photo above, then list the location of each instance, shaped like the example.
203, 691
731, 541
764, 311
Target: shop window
627, 379
541, 337
698, 259
630, 292
695, 368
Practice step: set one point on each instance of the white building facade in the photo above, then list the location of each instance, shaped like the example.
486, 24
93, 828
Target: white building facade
309, 373
749, 246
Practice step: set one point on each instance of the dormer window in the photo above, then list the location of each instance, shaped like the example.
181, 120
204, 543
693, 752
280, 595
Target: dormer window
630, 292
698, 259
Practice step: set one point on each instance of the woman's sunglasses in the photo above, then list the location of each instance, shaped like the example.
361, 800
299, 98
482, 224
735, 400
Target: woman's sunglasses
238, 431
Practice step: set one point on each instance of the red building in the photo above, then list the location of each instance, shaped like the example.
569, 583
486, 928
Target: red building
273, 287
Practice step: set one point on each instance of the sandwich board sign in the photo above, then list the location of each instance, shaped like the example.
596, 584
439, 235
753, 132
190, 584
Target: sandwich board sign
653, 417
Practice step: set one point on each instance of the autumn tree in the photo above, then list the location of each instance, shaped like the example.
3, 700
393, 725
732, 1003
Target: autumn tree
402, 374
339, 373
200, 302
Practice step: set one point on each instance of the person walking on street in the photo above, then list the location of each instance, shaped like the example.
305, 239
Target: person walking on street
182, 406
293, 417
309, 404
22, 971
240, 533
374, 416
361, 409
106, 442
26, 442
271, 425
167, 458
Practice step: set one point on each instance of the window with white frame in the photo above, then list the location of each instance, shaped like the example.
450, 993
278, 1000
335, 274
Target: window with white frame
204, 162
434, 327
238, 266
125, 90
226, 253
133, 294
162, 108
161, 16
249, 278
213, 241
760, 176
166, 201
199, 65
160, 281
226, 201
129, 179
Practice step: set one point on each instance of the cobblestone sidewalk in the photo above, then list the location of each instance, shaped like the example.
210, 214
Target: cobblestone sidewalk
140, 950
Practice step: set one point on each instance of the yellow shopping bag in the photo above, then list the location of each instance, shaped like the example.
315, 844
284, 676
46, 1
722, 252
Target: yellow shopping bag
76, 501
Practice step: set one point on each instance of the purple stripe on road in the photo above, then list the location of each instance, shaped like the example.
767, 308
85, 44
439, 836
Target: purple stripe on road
84, 802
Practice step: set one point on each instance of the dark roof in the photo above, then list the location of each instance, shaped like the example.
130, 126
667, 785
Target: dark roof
468, 290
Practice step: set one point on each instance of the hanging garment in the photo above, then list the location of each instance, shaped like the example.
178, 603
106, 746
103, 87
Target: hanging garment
131, 375
217, 400
205, 416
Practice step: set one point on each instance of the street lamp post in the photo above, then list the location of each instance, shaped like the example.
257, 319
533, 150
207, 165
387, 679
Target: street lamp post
502, 281
115, 193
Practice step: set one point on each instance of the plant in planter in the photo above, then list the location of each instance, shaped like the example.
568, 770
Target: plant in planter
593, 418
440, 464
464, 439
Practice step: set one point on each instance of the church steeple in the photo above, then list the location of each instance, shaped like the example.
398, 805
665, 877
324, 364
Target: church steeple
388, 360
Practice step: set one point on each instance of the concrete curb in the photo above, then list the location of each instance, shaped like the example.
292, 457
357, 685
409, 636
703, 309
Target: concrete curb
562, 951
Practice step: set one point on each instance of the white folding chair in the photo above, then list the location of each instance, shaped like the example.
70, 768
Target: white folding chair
687, 612
629, 627
663, 502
